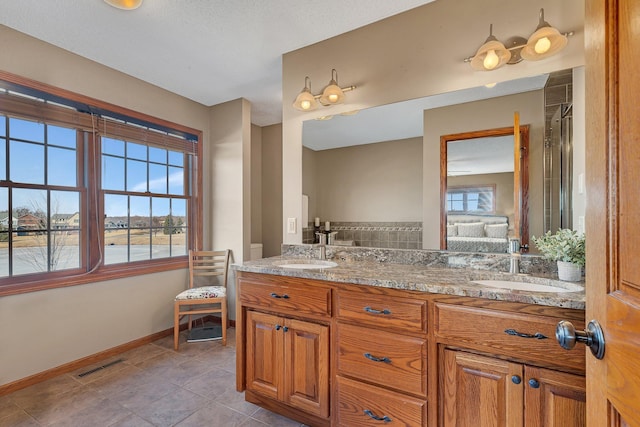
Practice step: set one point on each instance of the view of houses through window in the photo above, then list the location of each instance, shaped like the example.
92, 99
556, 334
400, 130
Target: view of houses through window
139, 227
40, 201
53, 176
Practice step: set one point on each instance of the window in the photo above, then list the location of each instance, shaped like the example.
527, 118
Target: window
87, 197
40, 193
145, 201
476, 199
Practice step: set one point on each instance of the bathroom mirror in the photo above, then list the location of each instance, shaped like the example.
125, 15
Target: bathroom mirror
483, 189
371, 173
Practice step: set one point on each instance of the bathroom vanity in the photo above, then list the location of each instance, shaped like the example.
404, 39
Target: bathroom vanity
376, 343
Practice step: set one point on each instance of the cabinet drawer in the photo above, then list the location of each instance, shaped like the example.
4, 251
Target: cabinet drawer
286, 297
523, 336
385, 358
383, 311
358, 404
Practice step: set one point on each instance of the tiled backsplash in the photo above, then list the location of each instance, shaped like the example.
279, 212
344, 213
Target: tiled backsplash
394, 235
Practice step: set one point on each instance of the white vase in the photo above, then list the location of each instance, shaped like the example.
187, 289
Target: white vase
569, 272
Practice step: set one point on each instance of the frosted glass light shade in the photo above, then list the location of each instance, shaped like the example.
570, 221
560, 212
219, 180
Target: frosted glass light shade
124, 4
305, 101
332, 94
491, 55
543, 43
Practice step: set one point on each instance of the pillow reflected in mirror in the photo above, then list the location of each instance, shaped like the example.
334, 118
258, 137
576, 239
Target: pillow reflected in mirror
470, 229
497, 231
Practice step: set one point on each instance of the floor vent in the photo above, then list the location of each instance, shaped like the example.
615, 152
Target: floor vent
99, 368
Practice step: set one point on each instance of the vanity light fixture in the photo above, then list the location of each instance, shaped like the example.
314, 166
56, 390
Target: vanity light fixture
332, 94
543, 43
124, 4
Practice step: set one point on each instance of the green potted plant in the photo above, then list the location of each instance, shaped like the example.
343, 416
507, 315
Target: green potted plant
567, 247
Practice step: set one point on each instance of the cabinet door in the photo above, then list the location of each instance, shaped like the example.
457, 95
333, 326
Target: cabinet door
480, 391
264, 354
306, 355
554, 399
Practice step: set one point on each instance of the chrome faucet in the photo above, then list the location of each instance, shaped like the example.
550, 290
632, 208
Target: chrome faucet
514, 250
322, 238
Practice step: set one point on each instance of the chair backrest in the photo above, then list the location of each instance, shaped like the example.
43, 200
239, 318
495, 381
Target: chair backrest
205, 267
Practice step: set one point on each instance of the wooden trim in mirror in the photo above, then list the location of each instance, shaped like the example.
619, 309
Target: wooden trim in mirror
523, 207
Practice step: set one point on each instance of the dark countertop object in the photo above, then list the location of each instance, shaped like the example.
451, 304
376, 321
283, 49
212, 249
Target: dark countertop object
449, 281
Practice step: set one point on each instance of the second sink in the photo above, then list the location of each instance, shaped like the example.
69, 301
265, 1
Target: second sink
524, 286
309, 264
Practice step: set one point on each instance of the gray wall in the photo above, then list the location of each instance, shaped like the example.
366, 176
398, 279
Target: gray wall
365, 183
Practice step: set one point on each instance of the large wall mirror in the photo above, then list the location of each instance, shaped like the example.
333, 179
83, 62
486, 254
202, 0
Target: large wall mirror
374, 174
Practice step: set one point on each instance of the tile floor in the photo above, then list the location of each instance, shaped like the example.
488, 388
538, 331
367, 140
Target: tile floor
152, 386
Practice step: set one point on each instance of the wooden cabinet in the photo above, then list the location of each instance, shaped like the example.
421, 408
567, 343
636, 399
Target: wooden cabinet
283, 346
335, 354
381, 361
288, 360
481, 390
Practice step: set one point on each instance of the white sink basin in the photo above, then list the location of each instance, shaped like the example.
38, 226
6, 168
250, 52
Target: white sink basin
523, 286
309, 265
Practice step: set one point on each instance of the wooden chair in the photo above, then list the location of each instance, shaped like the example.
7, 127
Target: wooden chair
206, 295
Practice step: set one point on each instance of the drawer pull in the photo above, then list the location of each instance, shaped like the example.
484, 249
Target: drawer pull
515, 333
377, 359
533, 383
516, 379
285, 329
374, 311
278, 327
283, 296
377, 418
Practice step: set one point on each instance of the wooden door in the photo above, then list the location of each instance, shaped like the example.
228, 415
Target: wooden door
612, 42
553, 399
480, 391
306, 367
264, 352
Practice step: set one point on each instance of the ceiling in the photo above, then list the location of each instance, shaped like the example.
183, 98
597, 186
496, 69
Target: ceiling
210, 51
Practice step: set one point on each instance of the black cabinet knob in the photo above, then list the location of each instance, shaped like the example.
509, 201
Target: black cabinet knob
516, 379
533, 383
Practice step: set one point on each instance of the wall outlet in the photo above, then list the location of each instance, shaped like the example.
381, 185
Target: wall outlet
291, 225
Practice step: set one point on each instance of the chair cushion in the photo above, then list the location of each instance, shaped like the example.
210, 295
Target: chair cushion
203, 292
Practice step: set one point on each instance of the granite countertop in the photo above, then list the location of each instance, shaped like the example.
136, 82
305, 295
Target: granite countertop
437, 280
